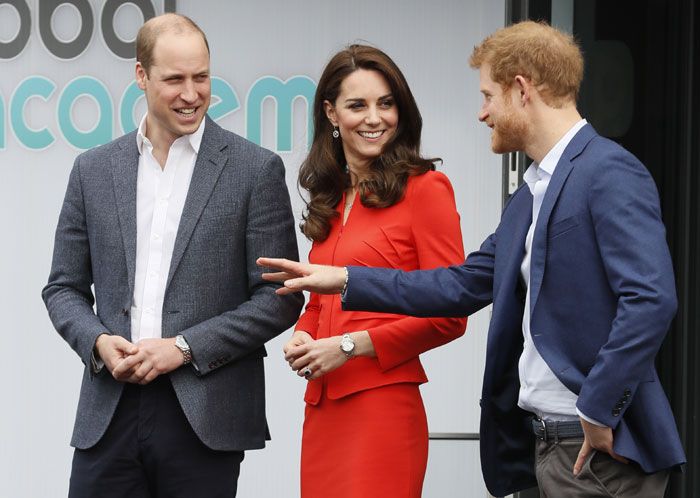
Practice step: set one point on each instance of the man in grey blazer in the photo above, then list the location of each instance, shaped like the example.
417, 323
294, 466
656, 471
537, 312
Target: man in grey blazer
165, 224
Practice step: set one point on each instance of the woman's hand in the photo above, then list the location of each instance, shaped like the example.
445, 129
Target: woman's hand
318, 356
300, 337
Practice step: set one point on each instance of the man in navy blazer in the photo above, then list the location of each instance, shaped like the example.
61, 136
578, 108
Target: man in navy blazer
581, 282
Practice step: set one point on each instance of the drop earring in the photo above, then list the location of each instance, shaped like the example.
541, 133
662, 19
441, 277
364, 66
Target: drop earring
335, 133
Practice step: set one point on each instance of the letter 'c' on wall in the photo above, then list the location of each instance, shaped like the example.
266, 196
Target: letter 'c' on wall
33, 87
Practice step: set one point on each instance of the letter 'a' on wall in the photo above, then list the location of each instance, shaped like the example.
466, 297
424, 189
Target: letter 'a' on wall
101, 133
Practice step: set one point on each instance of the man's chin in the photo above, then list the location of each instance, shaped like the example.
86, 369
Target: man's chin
504, 147
498, 148
189, 128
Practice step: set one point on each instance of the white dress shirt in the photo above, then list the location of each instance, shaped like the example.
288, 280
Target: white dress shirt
160, 198
541, 392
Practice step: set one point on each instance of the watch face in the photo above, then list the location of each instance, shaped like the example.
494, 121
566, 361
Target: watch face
347, 345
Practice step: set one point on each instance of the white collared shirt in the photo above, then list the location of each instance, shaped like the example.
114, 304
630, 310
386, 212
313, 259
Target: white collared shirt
160, 198
541, 392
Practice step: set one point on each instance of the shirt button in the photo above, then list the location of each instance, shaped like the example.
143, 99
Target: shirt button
156, 236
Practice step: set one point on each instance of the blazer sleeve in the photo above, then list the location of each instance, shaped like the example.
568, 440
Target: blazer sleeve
438, 242
308, 321
624, 208
68, 294
270, 230
455, 291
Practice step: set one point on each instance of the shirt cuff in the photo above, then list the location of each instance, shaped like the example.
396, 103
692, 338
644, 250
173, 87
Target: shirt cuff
96, 363
344, 292
589, 419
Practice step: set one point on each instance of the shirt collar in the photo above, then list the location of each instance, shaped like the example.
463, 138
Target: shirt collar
194, 139
536, 172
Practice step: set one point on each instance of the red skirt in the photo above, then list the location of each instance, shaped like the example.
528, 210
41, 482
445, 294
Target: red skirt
371, 444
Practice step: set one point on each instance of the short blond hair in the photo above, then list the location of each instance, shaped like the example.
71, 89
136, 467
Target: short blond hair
549, 58
155, 27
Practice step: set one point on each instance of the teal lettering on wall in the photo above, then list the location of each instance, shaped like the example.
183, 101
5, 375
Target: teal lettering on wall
130, 97
227, 99
284, 93
32, 87
101, 133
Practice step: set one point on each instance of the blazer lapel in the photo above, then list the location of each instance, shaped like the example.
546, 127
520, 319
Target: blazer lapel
124, 174
210, 162
521, 226
539, 239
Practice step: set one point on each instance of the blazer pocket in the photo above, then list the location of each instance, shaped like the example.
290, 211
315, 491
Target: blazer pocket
563, 226
220, 211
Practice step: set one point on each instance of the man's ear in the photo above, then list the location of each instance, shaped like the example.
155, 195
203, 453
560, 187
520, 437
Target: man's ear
141, 76
330, 112
524, 89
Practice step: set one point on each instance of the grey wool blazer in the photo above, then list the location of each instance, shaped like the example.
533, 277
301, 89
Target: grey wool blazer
237, 209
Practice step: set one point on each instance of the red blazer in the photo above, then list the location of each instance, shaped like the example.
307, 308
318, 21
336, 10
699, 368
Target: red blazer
421, 231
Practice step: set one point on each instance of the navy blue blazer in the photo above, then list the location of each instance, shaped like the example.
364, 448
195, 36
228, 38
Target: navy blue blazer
602, 299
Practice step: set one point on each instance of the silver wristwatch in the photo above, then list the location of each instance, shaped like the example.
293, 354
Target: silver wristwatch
181, 344
347, 346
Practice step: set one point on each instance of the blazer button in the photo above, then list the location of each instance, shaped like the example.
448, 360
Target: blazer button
616, 412
628, 392
125, 312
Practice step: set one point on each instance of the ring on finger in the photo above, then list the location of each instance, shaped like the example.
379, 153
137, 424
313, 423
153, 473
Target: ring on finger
307, 372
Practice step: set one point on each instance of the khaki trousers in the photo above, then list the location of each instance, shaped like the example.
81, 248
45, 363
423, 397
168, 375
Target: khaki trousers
601, 476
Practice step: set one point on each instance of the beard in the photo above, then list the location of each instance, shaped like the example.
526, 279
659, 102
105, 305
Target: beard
509, 133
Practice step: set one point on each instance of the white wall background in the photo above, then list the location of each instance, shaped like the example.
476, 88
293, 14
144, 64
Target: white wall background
430, 41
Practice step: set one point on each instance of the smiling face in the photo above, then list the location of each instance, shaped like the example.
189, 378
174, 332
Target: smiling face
366, 116
508, 124
177, 87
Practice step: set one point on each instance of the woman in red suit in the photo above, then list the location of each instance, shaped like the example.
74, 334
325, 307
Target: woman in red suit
373, 200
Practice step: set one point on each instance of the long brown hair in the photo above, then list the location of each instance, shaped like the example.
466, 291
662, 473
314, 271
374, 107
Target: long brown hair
323, 174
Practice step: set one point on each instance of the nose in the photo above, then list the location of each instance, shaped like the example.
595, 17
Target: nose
372, 117
188, 94
483, 114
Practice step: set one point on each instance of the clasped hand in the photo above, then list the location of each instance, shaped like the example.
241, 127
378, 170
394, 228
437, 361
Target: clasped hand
138, 363
320, 356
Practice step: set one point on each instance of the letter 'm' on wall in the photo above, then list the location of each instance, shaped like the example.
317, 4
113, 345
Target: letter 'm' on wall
284, 93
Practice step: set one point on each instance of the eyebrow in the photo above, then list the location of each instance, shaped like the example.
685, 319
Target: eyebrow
356, 99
